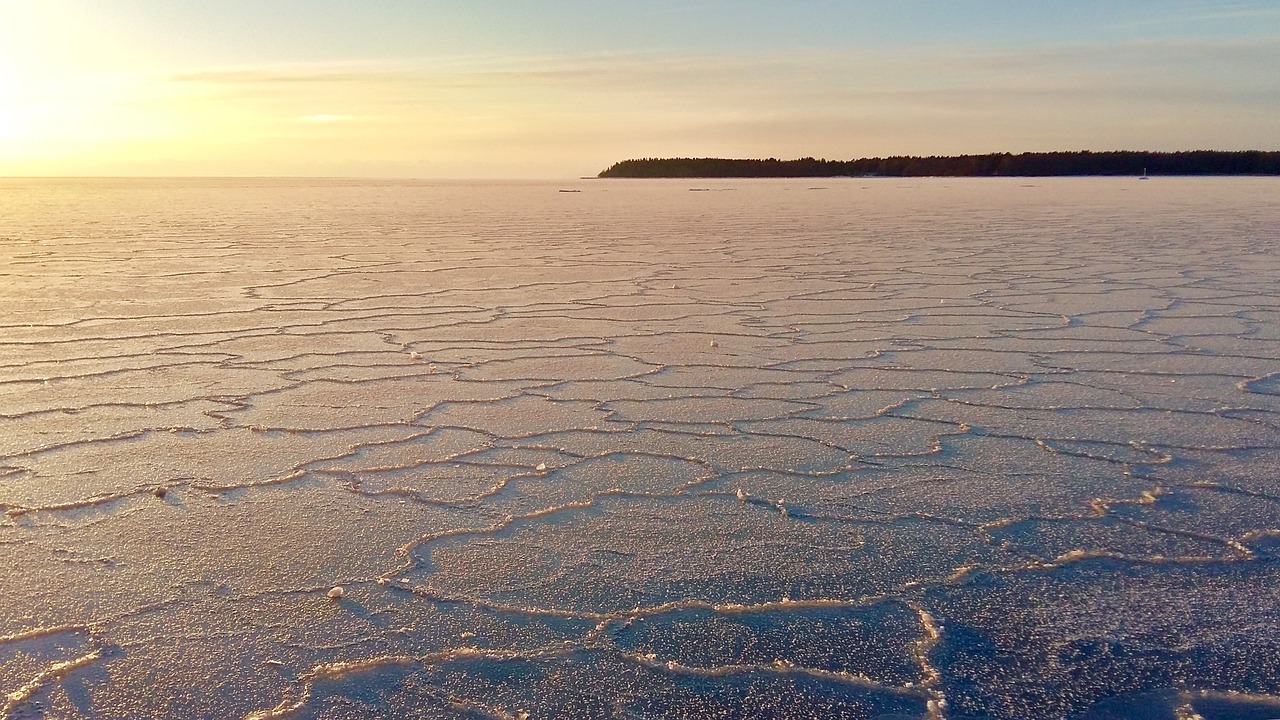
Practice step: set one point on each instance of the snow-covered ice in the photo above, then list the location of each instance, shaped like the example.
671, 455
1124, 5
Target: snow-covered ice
977, 448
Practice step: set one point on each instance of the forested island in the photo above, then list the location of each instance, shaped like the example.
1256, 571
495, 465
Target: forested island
1196, 162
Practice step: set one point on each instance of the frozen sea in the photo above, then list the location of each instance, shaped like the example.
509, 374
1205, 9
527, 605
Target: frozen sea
840, 448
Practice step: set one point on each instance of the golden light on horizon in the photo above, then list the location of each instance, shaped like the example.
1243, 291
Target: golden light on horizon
130, 88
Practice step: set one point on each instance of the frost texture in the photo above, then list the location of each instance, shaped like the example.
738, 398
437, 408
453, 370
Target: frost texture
902, 448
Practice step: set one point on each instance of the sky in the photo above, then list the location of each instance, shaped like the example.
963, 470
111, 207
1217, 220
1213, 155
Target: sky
529, 89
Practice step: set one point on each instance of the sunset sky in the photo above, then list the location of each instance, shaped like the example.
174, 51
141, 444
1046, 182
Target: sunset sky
489, 88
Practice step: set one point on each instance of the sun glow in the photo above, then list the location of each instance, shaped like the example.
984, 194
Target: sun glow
10, 124
61, 87
144, 87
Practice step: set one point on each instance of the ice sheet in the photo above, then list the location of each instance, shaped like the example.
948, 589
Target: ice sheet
904, 448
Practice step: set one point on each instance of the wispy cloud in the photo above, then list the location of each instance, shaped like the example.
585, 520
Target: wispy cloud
1201, 12
673, 71
327, 118
1118, 80
294, 73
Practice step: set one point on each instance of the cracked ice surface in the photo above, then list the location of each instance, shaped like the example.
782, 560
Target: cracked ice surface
900, 448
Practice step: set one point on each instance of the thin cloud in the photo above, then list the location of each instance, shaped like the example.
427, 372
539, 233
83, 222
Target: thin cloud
1229, 11
327, 118
279, 76
607, 71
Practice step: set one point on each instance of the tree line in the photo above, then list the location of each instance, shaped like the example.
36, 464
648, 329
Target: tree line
1194, 162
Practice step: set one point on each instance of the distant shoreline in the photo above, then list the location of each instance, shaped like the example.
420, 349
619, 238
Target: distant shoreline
1052, 164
